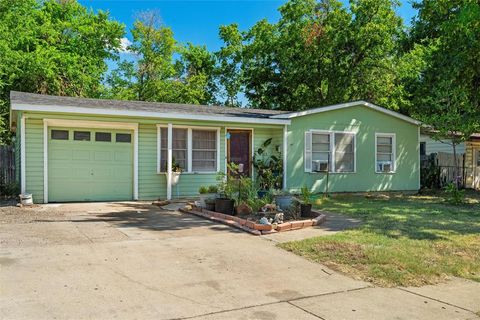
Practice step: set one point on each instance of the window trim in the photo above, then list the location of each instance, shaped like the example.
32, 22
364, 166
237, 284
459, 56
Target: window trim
332, 149
189, 147
394, 151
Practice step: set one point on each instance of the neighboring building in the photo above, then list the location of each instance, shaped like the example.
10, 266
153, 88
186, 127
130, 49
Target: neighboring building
76, 149
468, 155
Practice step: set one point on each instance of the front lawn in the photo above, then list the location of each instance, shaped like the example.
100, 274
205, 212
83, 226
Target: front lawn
404, 240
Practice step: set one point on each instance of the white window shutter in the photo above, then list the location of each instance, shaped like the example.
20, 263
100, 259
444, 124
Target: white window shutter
308, 152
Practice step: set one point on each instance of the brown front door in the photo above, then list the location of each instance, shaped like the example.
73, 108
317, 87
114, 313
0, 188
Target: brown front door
239, 149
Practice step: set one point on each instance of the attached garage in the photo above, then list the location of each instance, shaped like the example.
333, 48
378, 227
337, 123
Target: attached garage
87, 164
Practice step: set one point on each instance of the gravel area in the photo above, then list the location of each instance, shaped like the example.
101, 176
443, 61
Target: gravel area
11, 213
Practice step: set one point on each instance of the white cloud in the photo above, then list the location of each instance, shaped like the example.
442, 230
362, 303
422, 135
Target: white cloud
124, 44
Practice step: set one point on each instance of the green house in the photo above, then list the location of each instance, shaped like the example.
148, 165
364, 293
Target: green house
76, 149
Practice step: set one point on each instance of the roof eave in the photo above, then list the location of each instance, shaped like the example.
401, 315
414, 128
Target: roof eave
347, 105
147, 114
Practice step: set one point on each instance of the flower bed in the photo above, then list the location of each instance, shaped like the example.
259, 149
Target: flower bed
252, 226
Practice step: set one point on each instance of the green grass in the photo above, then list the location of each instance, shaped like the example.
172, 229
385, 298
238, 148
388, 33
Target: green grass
404, 240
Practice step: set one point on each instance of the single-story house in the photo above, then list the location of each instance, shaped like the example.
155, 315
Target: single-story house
77, 149
468, 155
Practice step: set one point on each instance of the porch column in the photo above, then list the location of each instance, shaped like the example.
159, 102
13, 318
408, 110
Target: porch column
285, 147
169, 161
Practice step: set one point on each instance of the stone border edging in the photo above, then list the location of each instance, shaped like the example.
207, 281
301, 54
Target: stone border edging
256, 228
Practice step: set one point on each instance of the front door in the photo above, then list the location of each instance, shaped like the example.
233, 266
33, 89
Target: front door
239, 149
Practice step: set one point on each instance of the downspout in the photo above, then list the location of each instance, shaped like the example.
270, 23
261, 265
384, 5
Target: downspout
169, 161
23, 178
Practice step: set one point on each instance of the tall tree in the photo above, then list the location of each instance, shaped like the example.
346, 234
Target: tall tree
53, 47
320, 53
444, 80
161, 69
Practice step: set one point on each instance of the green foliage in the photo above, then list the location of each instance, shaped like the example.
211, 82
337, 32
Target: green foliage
306, 195
319, 53
212, 189
268, 164
203, 190
156, 74
444, 68
10, 190
430, 175
53, 47
454, 195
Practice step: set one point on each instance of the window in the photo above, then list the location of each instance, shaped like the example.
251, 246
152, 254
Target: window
123, 137
321, 159
344, 152
329, 151
179, 148
81, 135
194, 150
478, 158
385, 153
204, 150
103, 136
59, 134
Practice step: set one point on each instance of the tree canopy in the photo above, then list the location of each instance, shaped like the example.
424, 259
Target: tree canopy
319, 52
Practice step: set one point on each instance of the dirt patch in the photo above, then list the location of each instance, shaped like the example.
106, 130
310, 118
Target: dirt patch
12, 214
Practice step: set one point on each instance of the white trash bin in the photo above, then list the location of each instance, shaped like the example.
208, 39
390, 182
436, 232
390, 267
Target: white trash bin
26, 199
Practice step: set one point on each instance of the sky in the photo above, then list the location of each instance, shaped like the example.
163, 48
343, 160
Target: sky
197, 21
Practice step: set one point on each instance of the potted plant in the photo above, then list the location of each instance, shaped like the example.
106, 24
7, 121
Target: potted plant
283, 199
176, 171
225, 203
269, 167
306, 203
210, 204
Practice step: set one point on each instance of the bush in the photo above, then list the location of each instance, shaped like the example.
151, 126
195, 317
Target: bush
454, 195
203, 190
9, 190
212, 189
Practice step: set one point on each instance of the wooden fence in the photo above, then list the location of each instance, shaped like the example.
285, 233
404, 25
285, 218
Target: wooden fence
7, 165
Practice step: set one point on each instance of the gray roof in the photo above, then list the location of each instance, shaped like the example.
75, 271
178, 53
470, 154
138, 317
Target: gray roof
46, 100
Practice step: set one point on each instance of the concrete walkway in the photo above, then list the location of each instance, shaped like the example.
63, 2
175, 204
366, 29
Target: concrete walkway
133, 260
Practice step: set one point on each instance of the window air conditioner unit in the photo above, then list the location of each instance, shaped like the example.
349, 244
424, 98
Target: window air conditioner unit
319, 166
385, 166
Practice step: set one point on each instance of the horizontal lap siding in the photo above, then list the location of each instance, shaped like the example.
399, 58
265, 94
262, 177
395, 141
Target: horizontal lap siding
366, 122
34, 158
151, 185
472, 173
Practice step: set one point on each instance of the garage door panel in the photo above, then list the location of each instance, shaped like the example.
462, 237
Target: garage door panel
90, 170
81, 155
103, 156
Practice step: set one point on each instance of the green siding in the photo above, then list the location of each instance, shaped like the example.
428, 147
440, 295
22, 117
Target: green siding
18, 148
366, 122
151, 185
34, 158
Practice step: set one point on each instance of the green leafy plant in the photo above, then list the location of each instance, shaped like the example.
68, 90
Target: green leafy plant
212, 189
203, 190
268, 166
454, 195
306, 195
176, 166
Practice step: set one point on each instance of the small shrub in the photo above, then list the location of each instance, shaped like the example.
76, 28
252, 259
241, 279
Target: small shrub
9, 190
212, 189
454, 195
203, 190
306, 195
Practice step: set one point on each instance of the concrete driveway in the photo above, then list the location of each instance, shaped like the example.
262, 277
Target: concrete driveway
137, 261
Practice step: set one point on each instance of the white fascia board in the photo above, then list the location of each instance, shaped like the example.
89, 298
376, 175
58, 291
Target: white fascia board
347, 105
145, 114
